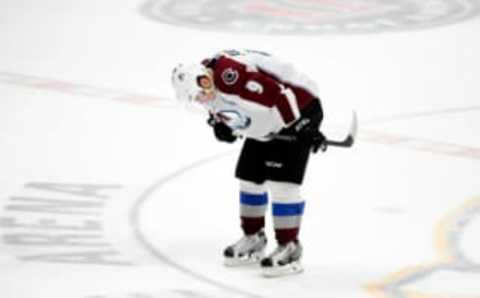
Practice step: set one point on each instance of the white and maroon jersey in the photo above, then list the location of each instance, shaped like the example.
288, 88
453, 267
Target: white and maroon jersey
257, 93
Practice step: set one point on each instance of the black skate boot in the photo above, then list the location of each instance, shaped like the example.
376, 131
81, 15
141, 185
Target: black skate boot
284, 260
248, 250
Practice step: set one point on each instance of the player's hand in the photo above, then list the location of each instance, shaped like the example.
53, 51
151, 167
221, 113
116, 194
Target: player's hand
309, 133
222, 132
318, 141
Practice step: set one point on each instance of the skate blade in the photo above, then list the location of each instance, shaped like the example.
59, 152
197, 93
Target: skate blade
290, 269
244, 261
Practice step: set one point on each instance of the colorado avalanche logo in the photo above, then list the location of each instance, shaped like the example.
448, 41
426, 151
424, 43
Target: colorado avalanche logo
230, 76
234, 119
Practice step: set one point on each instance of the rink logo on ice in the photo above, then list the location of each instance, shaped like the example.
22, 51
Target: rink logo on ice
453, 272
60, 223
311, 17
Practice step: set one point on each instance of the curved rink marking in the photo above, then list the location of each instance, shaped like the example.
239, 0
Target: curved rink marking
140, 236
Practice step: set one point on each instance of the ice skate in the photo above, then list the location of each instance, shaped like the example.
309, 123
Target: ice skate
284, 260
248, 250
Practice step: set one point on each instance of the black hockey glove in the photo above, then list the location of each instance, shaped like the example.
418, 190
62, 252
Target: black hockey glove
222, 132
318, 141
307, 132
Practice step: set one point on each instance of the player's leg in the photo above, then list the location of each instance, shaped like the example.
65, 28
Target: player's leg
287, 208
286, 167
253, 206
285, 175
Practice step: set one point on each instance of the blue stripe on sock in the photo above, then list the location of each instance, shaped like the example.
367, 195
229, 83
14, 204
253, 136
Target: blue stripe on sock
288, 209
253, 199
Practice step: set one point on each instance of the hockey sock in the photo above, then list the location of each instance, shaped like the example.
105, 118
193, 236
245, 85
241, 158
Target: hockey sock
286, 221
252, 211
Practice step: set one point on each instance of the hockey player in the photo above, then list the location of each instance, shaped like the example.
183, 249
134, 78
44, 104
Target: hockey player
252, 95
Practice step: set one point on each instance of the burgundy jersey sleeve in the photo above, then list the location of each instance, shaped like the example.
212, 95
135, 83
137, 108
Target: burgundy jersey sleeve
233, 77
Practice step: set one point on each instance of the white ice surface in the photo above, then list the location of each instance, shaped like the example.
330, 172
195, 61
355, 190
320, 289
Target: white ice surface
84, 106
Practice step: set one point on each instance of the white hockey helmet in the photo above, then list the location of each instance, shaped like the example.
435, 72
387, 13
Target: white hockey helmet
186, 81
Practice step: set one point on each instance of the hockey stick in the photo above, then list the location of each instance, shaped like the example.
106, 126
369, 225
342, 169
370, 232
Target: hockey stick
347, 142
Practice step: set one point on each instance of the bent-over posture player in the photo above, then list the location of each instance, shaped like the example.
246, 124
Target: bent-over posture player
255, 96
